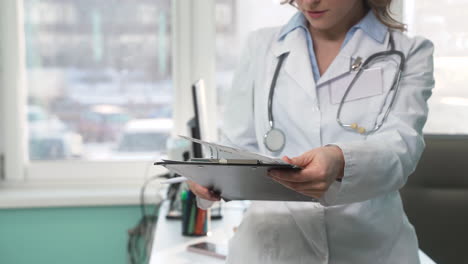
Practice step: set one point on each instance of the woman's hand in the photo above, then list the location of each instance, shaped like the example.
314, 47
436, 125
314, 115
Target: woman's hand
203, 192
321, 167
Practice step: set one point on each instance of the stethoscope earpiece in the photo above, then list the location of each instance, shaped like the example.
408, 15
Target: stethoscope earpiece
357, 128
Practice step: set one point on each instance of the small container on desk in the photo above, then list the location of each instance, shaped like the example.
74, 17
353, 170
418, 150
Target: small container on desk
195, 221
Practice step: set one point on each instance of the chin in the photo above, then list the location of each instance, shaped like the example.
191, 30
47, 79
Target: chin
320, 26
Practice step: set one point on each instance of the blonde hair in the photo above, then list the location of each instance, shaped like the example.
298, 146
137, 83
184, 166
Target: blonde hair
381, 9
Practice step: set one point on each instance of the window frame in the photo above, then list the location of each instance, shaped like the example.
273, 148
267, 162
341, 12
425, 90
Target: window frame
193, 56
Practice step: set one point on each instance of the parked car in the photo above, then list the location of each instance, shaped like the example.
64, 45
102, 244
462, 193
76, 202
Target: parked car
144, 139
50, 138
102, 123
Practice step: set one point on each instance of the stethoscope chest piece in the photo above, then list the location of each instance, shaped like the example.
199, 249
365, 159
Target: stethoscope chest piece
274, 140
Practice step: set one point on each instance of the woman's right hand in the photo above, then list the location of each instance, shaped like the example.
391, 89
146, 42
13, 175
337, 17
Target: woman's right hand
203, 192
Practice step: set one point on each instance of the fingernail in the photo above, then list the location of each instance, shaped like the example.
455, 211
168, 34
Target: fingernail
215, 194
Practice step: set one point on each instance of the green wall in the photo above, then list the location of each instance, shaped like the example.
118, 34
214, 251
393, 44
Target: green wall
81, 235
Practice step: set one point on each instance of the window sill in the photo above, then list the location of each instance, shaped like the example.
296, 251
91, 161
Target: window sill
35, 195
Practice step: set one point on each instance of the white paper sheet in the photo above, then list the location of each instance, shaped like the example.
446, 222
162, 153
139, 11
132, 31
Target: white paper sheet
217, 151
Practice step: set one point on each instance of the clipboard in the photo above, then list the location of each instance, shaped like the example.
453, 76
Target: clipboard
237, 179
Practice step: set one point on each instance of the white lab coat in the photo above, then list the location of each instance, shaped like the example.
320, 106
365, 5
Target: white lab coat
360, 220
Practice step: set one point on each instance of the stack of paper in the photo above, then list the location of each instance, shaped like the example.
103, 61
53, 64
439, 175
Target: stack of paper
217, 151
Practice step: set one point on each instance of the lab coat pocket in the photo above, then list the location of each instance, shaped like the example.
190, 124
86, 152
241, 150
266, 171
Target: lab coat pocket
369, 84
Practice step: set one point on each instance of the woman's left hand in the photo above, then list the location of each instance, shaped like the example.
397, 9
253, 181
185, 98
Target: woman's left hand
321, 167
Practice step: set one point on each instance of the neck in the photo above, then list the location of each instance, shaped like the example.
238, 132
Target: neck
338, 32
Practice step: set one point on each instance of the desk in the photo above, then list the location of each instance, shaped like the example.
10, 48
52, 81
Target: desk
170, 246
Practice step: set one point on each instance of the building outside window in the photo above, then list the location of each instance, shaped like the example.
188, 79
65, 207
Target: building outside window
98, 75
448, 106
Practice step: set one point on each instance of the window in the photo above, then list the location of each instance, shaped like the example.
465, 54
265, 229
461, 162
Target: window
443, 25
94, 70
111, 63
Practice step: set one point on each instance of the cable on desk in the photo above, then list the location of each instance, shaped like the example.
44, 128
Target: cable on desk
140, 237
139, 242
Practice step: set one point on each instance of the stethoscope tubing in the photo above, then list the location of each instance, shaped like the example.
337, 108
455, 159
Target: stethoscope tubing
281, 59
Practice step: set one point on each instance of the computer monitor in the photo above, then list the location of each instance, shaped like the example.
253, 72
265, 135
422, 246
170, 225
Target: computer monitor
199, 127
199, 123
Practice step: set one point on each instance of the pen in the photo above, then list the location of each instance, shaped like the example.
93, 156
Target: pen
174, 180
183, 198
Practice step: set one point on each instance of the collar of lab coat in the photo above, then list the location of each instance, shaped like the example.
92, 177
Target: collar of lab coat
298, 65
369, 24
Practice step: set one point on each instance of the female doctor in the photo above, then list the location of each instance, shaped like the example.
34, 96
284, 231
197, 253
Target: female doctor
344, 92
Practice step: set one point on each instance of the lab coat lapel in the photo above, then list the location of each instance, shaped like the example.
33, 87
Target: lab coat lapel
297, 65
360, 45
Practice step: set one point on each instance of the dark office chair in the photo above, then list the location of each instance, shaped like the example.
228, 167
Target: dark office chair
436, 199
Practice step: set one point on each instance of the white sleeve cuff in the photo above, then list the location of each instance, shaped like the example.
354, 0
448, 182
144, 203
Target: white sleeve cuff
204, 204
336, 192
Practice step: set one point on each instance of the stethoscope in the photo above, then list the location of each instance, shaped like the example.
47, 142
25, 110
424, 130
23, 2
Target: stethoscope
275, 139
